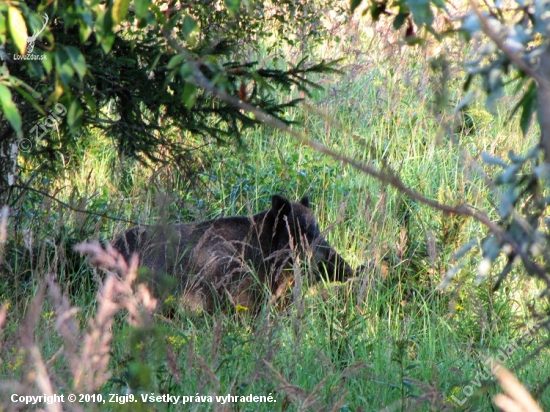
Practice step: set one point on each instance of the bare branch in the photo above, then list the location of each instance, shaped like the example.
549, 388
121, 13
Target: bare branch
74, 209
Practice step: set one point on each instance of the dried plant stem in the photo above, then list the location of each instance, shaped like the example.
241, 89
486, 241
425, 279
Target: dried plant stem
115, 294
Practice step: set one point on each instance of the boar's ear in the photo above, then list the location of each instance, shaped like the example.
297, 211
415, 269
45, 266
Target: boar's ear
280, 205
305, 201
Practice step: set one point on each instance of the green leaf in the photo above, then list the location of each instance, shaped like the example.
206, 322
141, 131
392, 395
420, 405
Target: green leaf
413, 40
35, 68
189, 25
18, 29
85, 24
63, 66
507, 202
509, 174
262, 82
421, 11
2, 26
468, 82
141, 7
354, 4
186, 70
105, 35
465, 248
157, 14
527, 113
175, 61
493, 160
172, 22
120, 10
10, 110
189, 95
84, 31
77, 60
528, 105
107, 42
48, 62
155, 62
90, 101
233, 6
377, 9
28, 97
400, 20
74, 116
190, 29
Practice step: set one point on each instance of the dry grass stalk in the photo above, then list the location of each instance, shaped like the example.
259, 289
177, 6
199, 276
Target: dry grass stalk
297, 395
216, 339
40, 376
89, 365
172, 363
3, 316
4, 213
431, 398
209, 372
355, 368
115, 294
340, 402
66, 325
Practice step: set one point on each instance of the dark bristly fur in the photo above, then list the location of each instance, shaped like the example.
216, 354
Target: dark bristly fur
228, 259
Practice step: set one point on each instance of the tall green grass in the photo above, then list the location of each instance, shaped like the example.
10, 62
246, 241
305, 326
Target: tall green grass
388, 338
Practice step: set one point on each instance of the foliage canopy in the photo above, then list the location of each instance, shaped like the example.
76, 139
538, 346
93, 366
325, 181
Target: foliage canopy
108, 65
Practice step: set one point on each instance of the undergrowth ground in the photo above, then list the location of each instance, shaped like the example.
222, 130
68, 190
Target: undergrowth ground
388, 338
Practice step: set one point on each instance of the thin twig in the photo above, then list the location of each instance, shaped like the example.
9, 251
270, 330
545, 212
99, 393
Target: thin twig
68, 206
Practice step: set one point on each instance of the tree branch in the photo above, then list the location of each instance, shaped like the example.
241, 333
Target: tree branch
68, 206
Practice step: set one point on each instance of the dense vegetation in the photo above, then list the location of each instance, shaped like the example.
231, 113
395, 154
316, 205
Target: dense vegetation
388, 338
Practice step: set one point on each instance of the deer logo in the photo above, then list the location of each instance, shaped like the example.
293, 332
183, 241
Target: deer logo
32, 39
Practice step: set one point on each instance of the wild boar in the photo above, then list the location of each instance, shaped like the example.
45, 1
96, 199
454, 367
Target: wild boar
235, 260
